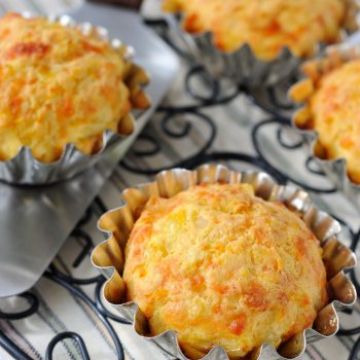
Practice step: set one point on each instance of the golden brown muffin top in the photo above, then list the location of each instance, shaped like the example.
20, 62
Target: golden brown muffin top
58, 86
332, 106
266, 25
223, 267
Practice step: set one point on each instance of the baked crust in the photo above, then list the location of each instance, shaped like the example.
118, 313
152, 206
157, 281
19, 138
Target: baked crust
223, 267
267, 26
60, 86
332, 102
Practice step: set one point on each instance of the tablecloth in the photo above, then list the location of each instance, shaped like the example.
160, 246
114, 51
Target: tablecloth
62, 307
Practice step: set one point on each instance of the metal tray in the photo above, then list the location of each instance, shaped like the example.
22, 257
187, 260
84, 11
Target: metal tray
35, 221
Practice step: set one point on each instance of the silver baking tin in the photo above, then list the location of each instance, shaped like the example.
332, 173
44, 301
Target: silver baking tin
117, 224
242, 66
24, 169
335, 169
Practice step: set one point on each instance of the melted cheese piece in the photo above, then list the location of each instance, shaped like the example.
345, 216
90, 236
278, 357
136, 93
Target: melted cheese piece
57, 86
266, 25
223, 267
335, 108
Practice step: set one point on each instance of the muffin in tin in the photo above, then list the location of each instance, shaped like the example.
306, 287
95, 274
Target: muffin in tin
229, 262
218, 257
63, 85
253, 41
267, 26
331, 97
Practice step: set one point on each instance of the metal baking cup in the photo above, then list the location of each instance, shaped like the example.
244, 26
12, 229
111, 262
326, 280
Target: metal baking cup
336, 169
242, 66
25, 169
118, 223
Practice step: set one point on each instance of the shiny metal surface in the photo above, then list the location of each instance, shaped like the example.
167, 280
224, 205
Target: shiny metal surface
35, 221
242, 66
117, 224
335, 169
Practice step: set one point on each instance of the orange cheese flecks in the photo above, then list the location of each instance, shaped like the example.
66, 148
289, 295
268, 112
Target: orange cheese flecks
267, 26
57, 86
218, 257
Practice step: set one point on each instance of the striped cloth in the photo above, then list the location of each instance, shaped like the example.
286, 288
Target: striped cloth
61, 310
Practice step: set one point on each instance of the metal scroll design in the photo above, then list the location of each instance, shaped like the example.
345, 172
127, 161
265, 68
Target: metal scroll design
270, 99
75, 287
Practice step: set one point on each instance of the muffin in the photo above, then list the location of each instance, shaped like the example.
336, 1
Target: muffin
217, 264
267, 26
332, 103
59, 85
218, 257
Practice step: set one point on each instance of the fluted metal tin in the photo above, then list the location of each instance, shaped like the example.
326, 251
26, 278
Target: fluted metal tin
25, 169
243, 66
336, 169
117, 224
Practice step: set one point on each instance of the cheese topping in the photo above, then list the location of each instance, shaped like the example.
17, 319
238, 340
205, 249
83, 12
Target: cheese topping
266, 25
224, 267
57, 86
334, 108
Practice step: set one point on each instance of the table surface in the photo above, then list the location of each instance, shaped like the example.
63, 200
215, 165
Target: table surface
60, 206
66, 299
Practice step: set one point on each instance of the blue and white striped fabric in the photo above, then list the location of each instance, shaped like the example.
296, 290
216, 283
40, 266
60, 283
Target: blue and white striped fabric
59, 309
